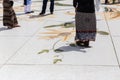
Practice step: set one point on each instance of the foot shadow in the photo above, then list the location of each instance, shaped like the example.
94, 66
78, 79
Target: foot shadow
75, 48
3, 29
21, 13
37, 16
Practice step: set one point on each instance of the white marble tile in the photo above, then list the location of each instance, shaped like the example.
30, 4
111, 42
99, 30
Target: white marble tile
96, 63
114, 27
102, 29
1, 65
116, 41
51, 23
58, 72
100, 53
27, 28
30, 53
101, 25
9, 46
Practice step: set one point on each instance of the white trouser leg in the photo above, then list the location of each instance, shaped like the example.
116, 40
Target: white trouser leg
29, 7
26, 8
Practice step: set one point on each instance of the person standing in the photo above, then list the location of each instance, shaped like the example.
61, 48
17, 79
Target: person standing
106, 2
9, 16
27, 6
45, 5
113, 1
85, 22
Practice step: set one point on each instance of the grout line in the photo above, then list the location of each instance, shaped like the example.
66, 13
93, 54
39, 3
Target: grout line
20, 48
116, 35
39, 28
112, 41
14, 53
62, 65
21, 45
15, 35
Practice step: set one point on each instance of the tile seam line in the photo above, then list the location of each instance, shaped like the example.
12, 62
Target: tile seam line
39, 28
112, 41
20, 48
63, 65
14, 53
14, 36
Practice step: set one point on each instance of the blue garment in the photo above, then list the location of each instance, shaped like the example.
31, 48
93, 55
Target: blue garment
27, 2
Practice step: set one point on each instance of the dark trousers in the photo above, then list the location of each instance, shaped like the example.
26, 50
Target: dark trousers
45, 5
106, 1
25, 2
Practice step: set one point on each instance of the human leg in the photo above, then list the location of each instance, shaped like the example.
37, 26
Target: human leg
85, 28
51, 6
106, 1
44, 7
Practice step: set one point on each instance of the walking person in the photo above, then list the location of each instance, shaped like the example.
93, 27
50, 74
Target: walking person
45, 5
27, 6
85, 22
9, 16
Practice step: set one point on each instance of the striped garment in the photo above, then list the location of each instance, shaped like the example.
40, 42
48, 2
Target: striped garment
85, 26
9, 16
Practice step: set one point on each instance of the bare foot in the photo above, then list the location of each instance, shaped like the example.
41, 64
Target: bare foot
16, 25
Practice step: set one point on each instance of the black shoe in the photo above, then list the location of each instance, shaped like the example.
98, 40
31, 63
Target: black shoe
51, 12
41, 13
83, 43
86, 44
29, 12
80, 43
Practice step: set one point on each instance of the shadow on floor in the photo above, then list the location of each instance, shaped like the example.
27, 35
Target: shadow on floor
37, 16
3, 29
76, 48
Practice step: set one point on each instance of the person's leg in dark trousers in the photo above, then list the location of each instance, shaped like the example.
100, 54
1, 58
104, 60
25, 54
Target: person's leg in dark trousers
25, 2
44, 7
51, 6
106, 2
